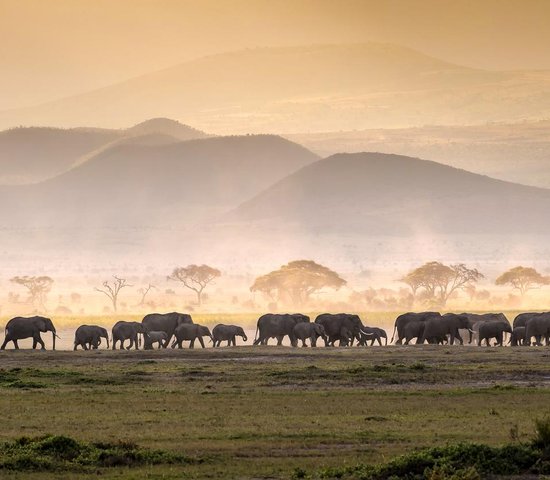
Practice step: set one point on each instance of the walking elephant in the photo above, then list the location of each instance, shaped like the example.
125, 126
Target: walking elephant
437, 328
89, 336
274, 325
19, 328
412, 330
490, 329
311, 331
334, 323
165, 322
127, 331
476, 319
403, 320
538, 326
158, 337
190, 332
518, 337
374, 334
227, 333
522, 318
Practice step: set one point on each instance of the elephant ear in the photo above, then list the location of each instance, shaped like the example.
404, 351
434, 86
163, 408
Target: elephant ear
40, 323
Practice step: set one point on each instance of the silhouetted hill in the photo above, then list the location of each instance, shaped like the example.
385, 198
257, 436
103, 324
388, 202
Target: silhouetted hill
166, 126
317, 88
33, 154
380, 194
139, 185
517, 152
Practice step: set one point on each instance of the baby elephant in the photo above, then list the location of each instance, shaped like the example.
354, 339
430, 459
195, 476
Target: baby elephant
89, 336
159, 337
518, 337
190, 332
222, 333
305, 330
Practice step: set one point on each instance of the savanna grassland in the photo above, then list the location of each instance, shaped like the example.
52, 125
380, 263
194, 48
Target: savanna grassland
259, 412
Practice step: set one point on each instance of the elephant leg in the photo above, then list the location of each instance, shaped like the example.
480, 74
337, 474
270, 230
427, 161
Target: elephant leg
6, 340
33, 343
192, 343
201, 342
74, 348
279, 340
38, 340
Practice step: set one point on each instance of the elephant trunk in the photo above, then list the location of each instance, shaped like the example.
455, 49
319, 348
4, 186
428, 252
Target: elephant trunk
245, 338
107, 338
53, 338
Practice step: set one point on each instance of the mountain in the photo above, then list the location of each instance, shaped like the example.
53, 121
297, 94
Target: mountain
29, 155
378, 194
136, 185
166, 126
516, 152
324, 87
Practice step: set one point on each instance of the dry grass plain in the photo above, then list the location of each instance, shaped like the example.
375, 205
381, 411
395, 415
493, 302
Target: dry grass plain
271, 412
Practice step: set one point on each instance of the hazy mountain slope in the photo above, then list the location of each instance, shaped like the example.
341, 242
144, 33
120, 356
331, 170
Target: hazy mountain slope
33, 154
328, 87
379, 194
146, 185
28, 154
516, 152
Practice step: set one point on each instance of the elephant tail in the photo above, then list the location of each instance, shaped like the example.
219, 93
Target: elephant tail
393, 335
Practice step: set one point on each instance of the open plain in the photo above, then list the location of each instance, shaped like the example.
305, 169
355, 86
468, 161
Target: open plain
270, 412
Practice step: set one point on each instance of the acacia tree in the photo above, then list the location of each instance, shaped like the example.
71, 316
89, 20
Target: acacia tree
195, 277
438, 281
522, 279
297, 281
38, 288
112, 289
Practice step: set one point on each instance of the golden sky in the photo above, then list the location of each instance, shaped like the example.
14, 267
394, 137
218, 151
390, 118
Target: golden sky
55, 48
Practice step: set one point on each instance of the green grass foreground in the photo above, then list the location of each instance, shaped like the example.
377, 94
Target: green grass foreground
271, 412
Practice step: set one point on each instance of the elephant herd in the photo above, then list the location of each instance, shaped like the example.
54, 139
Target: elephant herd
435, 328
172, 329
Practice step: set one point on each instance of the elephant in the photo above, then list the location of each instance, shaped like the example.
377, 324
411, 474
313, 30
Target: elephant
227, 333
374, 334
538, 326
412, 330
518, 337
402, 320
437, 327
334, 323
19, 328
165, 322
159, 337
127, 331
274, 325
476, 318
491, 329
89, 336
303, 331
190, 332
345, 336
522, 318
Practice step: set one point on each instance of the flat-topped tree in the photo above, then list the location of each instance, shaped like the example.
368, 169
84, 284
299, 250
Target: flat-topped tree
438, 281
522, 279
195, 277
38, 288
297, 281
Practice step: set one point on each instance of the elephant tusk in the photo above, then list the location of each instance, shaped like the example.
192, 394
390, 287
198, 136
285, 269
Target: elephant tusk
57, 336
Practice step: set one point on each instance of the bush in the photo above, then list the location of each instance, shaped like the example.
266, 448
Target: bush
59, 453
